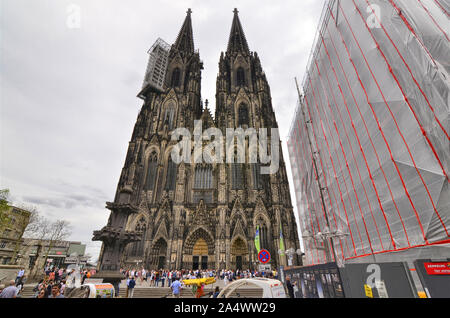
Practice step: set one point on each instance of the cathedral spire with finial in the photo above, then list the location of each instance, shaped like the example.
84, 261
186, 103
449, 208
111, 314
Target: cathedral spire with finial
237, 41
185, 39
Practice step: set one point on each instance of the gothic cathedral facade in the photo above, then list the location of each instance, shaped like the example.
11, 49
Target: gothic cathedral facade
197, 215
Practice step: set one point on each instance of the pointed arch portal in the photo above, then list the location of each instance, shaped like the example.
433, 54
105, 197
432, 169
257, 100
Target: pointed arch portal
198, 251
239, 253
159, 254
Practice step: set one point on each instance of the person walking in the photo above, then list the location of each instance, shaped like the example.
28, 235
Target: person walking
19, 276
131, 286
21, 282
289, 287
176, 288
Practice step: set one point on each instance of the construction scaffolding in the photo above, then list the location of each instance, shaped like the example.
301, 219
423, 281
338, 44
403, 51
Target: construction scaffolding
369, 145
157, 65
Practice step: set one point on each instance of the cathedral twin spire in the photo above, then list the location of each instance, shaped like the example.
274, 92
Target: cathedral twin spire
185, 39
236, 43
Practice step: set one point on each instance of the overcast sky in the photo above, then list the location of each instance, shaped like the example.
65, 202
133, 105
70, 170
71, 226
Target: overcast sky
68, 95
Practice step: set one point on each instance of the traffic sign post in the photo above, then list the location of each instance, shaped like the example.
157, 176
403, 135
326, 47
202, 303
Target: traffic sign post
264, 256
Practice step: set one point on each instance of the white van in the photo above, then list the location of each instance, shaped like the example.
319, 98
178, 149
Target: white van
272, 288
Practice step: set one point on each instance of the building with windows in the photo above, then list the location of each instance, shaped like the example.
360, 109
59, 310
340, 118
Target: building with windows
11, 234
43, 253
199, 215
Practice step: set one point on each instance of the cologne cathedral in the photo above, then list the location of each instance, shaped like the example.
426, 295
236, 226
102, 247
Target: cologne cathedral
199, 215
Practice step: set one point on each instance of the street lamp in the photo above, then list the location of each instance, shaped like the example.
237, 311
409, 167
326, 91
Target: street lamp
290, 253
327, 234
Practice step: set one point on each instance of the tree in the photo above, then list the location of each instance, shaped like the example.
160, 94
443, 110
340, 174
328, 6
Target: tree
45, 235
58, 231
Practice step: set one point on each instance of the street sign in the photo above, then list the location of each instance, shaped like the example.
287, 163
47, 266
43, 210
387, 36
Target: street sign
264, 268
264, 256
368, 291
381, 288
437, 268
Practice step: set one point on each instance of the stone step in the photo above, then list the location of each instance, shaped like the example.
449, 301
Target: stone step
27, 291
164, 292
187, 293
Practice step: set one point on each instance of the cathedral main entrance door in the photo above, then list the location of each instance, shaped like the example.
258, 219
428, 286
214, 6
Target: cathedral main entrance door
200, 260
204, 262
161, 262
195, 263
239, 262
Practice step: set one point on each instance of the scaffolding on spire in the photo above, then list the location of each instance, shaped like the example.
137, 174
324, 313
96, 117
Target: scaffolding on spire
156, 67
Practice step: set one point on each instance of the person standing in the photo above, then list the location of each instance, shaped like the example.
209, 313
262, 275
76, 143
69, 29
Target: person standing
51, 275
148, 278
131, 286
164, 278
143, 276
42, 294
289, 287
83, 277
157, 278
216, 292
169, 278
176, 288
128, 283
10, 291
56, 293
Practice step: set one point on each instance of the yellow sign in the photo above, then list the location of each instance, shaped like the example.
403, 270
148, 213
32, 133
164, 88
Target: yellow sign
368, 290
200, 281
422, 295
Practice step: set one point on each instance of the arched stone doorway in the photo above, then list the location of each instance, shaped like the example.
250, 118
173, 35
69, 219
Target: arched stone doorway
239, 254
200, 255
198, 251
159, 255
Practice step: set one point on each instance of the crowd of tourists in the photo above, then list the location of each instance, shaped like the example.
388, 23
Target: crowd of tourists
174, 278
164, 278
52, 285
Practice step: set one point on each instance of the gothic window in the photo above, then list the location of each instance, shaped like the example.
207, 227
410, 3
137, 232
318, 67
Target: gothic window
169, 115
237, 176
256, 173
151, 172
240, 77
263, 234
264, 237
138, 247
176, 75
243, 115
203, 178
171, 178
